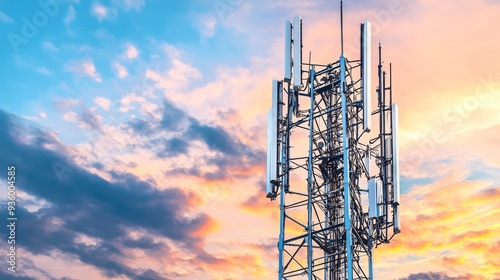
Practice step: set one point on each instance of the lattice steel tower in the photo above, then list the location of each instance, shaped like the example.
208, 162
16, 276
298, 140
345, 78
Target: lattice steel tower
320, 130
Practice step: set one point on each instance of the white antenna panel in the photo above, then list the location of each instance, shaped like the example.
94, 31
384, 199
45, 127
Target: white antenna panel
272, 141
288, 51
388, 149
395, 154
397, 220
366, 62
274, 102
271, 155
375, 197
297, 52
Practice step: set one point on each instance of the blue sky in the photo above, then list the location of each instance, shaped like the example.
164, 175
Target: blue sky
100, 33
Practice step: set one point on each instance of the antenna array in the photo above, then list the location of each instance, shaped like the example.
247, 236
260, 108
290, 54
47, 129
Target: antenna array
326, 230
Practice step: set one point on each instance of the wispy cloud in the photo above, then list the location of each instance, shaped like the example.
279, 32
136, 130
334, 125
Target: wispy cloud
5, 18
102, 12
131, 51
121, 71
83, 67
103, 102
44, 71
89, 69
207, 26
69, 18
48, 45
131, 4
177, 76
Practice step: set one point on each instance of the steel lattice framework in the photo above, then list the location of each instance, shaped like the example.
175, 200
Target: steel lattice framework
319, 154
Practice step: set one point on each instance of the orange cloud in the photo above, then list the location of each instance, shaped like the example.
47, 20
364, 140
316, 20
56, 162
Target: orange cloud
207, 228
446, 218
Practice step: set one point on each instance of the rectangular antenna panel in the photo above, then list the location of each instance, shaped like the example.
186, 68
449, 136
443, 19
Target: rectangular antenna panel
288, 51
271, 155
272, 141
375, 197
397, 220
297, 52
395, 154
366, 63
367, 160
276, 96
389, 172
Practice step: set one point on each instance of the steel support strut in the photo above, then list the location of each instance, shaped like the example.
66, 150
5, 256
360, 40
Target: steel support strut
310, 184
345, 146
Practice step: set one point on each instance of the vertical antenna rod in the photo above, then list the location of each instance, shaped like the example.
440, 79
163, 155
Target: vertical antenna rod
341, 28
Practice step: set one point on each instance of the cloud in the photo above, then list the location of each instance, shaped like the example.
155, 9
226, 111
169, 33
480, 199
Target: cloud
173, 118
5, 18
49, 46
44, 71
121, 71
207, 26
215, 137
130, 99
91, 119
70, 117
140, 126
83, 67
131, 4
440, 223
14, 276
87, 119
67, 103
439, 276
70, 16
175, 146
103, 102
131, 51
102, 12
89, 69
177, 76
68, 224
259, 204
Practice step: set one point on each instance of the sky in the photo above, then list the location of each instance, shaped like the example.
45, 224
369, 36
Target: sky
138, 133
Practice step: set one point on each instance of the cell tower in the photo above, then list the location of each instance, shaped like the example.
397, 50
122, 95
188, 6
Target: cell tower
320, 129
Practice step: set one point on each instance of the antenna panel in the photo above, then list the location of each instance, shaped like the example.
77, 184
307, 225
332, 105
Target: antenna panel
278, 100
388, 149
288, 51
395, 154
367, 160
375, 197
271, 155
366, 58
272, 141
397, 220
388, 157
297, 52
